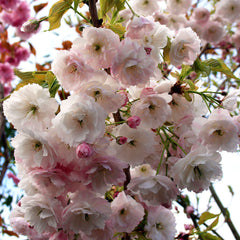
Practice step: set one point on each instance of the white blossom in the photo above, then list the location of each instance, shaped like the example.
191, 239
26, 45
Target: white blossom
81, 119
30, 108
197, 169
185, 47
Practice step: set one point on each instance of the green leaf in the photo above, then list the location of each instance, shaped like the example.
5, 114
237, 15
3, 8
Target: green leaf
213, 224
208, 236
219, 65
206, 216
201, 68
106, 5
76, 3
56, 12
43, 78
231, 190
187, 96
118, 28
30, 77
186, 70
166, 52
52, 82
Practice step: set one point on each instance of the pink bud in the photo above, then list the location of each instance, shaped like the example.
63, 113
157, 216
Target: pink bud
133, 121
31, 26
15, 179
189, 210
188, 227
84, 150
148, 50
147, 91
121, 140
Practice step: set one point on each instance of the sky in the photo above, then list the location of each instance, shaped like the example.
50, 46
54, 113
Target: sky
45, 43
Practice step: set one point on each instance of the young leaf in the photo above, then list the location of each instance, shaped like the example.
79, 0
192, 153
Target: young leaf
201, 68
219, 65
75, 6
106, 5
56, 12
166, 52
206, 216
213, 224
208, 236
118, 28
231, 190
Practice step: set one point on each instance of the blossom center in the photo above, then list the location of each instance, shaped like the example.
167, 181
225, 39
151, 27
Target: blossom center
197, 171
159, 226
34, 109
37, 146
218, 132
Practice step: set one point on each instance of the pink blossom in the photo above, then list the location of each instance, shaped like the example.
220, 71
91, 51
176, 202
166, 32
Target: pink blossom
133, 121
97, 46
84, 150
9, 4
131, 65
103, 171
213, 32
178, 7
19, 15
161, 18
71, 70
161, 224
201, 15
197, 169
6, 73
86, 212
138, 27
42, 212
154, 189
185, 47
126, 213
228, 9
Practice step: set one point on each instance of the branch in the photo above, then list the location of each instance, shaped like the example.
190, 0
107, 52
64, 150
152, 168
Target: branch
225, 213
3, 137
2, 118
93, 12
128, 177
6, 156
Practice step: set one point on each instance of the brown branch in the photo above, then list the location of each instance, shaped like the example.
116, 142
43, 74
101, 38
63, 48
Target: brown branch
93, 12
6, 156
2, 118
225, 213
3, 137
128, 177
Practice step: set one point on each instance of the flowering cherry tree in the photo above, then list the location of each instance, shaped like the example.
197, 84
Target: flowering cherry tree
135, 111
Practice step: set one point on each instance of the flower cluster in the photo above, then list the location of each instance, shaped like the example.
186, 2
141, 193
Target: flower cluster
13, 14
112, 156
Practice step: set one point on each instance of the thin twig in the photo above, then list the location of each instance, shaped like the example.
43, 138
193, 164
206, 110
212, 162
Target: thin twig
225, 213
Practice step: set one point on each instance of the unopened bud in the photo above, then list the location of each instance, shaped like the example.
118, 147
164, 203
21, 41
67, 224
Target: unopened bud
189, 210
121, 140
133, 121
84, 150
30, 26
